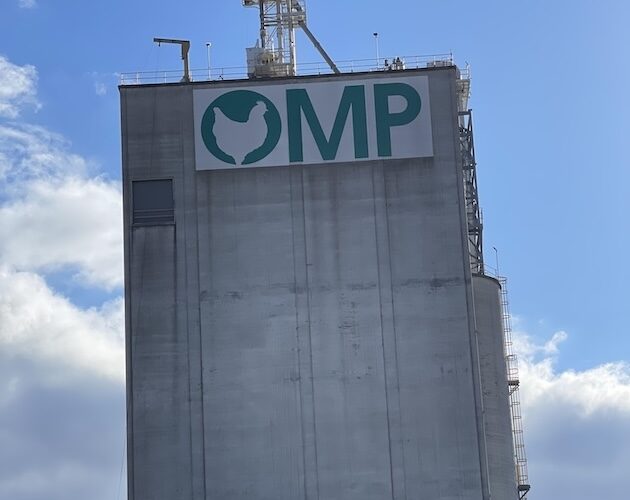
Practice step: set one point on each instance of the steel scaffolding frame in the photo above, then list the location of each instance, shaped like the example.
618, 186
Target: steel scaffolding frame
278, 22
473, 210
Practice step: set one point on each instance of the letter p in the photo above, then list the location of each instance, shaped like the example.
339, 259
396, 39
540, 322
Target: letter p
385, 120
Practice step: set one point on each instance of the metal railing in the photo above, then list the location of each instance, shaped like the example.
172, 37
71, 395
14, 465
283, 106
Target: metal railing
304, 69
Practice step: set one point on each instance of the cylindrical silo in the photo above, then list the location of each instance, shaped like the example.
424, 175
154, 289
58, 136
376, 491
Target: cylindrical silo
494, 385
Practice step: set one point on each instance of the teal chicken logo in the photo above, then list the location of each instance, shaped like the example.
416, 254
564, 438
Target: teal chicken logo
241, 127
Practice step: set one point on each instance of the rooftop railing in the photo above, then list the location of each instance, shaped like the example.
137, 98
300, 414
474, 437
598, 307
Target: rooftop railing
304, 69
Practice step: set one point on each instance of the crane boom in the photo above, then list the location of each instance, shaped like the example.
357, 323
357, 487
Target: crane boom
185, 44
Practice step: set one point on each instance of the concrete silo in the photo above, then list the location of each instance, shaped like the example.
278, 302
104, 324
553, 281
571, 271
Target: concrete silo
304, 317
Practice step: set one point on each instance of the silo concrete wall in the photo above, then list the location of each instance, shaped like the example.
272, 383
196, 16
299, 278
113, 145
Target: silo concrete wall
494, 383
319, 339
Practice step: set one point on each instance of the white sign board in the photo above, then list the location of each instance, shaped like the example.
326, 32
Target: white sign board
336, 120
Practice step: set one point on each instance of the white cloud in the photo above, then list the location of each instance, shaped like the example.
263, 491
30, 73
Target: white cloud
31, 152
37, 324
98, 80
27, 4
576, 422
74, 222
62, 413
60, 441
18, 88
100, 88
598, 389
528, 349
55, 215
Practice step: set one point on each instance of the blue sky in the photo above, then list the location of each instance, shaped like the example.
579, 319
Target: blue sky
550, 109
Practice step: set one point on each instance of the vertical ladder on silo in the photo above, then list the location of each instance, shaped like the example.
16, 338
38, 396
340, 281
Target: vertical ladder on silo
511, 361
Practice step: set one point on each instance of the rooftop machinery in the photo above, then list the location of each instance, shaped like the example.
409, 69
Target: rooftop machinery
275, 53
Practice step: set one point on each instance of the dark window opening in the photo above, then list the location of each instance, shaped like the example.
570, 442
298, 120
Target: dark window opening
153, 202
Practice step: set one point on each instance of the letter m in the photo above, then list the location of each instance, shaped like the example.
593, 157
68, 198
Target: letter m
298, 102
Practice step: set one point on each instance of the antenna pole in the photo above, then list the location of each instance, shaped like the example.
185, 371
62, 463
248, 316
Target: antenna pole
378, 56
208, 46
496, 259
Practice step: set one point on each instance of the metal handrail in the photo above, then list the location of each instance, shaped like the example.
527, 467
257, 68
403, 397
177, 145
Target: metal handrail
309, 68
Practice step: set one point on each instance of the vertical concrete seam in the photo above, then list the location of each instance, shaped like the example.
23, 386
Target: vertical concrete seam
310, 340
187, 311
297, 336
201, 376
133, 341
176, 318
182, 206
391, 284
380, 301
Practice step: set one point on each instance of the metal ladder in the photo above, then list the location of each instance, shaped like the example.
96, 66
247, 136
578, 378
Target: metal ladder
511, 361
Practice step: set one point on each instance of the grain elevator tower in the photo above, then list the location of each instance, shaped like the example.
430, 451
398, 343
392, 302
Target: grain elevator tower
308, 312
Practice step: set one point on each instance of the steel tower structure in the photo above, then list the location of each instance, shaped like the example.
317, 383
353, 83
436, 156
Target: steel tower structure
275, 53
